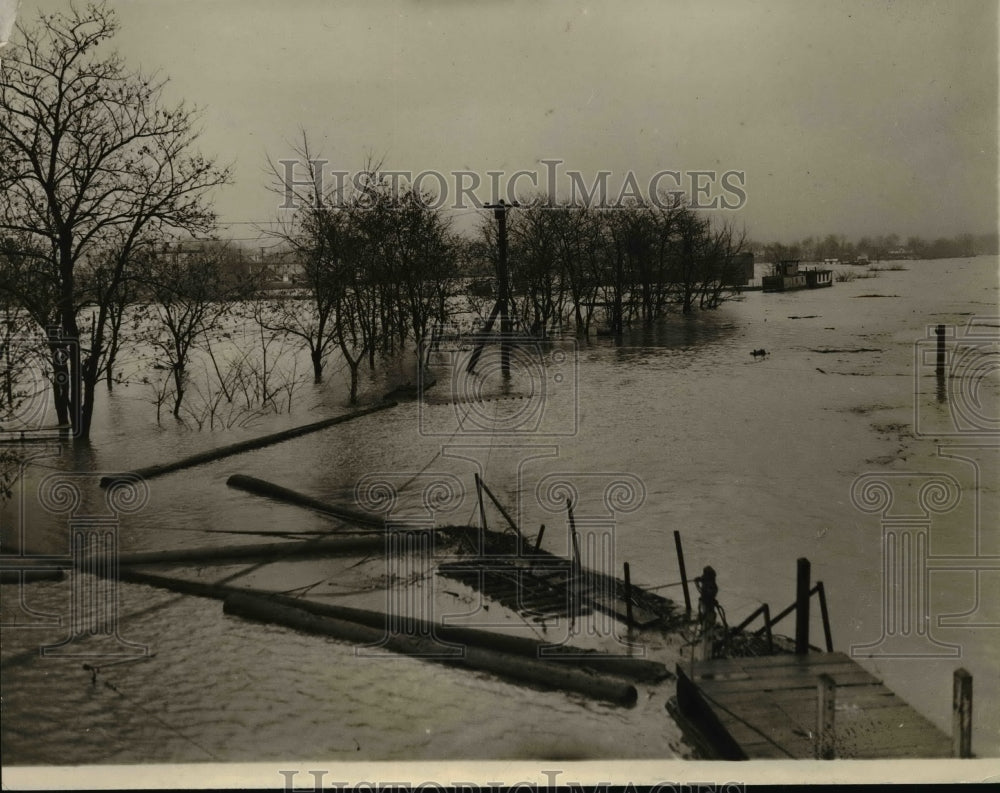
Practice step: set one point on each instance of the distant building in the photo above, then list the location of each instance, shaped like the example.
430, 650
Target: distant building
232, 260
279, 267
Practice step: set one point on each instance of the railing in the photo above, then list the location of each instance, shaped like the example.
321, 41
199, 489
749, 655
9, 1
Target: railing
801, 608
764, 610
770, 622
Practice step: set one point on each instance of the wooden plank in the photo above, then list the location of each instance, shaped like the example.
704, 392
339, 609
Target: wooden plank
764, 751
856, 697
787, 672
768, 661
876, 751
716, 687
710, 669
795, 744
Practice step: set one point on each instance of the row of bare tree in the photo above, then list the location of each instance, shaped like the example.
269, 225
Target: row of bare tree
95, 169
378, 267
574, 265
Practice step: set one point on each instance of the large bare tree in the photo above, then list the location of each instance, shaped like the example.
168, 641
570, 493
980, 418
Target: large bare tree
92, 160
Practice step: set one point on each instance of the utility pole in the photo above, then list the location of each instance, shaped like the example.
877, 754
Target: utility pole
502, 307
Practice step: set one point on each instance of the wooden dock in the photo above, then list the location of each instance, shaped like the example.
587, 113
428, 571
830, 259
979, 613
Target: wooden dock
769, 708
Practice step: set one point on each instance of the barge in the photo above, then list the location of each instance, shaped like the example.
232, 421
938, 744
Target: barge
790, 277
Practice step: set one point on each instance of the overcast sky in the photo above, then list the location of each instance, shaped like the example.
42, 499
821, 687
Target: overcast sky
847, 117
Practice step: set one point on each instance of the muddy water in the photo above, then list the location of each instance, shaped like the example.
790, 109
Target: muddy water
752, 459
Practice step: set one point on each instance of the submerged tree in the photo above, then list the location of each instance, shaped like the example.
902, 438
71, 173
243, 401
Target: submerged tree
190, 292
93, 165
375, 264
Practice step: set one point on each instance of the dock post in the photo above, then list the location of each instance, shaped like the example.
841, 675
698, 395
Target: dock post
628, 596
802, 607
961, 714
684, 578
708, 591
826, 692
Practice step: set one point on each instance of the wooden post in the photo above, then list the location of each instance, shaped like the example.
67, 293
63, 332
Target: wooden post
961, 714
942, 382
684, 578
479, 497
499, 506
576, 585
572, 531
628, 597
939, 332
802, 607
708, 590
825, 710
538, 539
827, 634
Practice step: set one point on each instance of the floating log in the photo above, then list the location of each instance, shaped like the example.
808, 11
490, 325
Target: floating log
29, 576
261, 487
515, 667
244, 446
632, 668
328, 546
523, 647
183, 586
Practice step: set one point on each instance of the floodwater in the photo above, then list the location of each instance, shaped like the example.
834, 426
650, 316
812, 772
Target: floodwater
678, 427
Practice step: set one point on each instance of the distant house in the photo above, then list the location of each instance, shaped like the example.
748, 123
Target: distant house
232, 260
279, 267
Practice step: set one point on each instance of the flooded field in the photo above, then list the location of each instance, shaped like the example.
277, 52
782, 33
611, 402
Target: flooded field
755, 460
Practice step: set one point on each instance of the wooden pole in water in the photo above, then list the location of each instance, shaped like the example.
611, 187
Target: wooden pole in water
538, 539
576, 596
499, 506
479, 497
576, 541
827, 634
503, 288
961, 714
939, 332
684, 578
825, 710
802, 607
628, 596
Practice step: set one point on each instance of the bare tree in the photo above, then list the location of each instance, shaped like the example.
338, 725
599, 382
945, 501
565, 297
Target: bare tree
376, 263
314, 232
91, 160
189, 294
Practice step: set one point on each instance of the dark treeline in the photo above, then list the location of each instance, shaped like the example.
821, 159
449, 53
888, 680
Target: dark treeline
574, 266
878, 248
